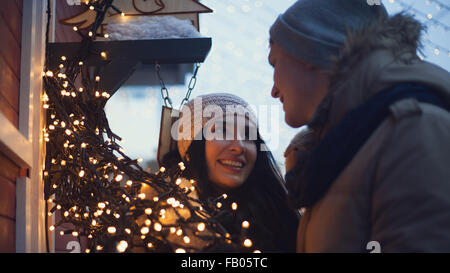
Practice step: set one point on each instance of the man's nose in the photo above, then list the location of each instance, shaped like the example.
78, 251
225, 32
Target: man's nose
275, 93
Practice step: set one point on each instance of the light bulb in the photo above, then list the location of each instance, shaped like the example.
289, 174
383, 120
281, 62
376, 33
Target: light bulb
158, 227
112, 230
245, 224
201, 227
145, 230
122, 246
248, 243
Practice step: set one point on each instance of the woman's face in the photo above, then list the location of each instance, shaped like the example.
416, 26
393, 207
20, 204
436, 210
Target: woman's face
229, 161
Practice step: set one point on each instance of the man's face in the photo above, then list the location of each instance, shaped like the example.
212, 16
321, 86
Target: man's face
300, 86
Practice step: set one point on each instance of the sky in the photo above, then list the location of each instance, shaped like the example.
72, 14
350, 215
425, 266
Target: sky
237, 64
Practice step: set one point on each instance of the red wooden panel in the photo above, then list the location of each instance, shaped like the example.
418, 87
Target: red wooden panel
8, 111
8, 169
7, 198
9, 48
9, 85
12, 17
7, 235
64, 33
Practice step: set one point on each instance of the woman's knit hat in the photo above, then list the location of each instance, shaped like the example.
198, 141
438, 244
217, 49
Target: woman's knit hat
315, 30
205, 110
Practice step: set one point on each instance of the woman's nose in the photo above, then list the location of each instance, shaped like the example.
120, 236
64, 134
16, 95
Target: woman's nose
237, 146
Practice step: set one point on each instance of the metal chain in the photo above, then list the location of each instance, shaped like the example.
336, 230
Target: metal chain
191, 86
165, 92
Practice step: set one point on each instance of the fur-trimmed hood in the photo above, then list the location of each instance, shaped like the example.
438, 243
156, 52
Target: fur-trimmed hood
375, 58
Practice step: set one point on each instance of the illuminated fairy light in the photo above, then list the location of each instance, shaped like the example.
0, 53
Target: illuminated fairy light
122, 246
201, 227
248, 243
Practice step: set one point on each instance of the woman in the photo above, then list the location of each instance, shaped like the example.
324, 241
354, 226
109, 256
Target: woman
239, 167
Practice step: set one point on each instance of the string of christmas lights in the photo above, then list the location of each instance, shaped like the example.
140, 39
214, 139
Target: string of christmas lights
105, 195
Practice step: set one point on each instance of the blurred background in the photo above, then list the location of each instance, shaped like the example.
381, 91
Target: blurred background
237, 64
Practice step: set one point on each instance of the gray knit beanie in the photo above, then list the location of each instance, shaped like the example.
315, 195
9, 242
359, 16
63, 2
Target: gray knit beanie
315, 30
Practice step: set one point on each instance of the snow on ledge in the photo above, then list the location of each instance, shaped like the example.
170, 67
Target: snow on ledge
156, 27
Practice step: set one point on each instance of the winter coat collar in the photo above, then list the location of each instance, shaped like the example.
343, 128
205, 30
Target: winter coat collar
375, 58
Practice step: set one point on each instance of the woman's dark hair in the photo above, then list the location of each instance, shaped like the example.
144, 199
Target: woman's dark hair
262, 199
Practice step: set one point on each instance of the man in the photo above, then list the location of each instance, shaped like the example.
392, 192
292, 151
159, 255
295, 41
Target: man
375, 176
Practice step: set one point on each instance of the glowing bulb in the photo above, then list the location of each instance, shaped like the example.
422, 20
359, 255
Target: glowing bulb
112, 230
97, 78
81, 174
128, 231
129, 182
162, 169
80, 63
103, 55
248, 243
122, 14
257, 251
179, 232
156, 199
180, 250
245, 224
63, 124
91, 8
75, 234
149, 245
186, 239
75, 28
158, 227
68, 132
234, 206
142, 195
145, 230
101, 205
178, 181
219, 205
51, 228
148, 211
83, 145
49, 73
122, 246
170, 200
119, 178
94, 223
201, 227
106, 35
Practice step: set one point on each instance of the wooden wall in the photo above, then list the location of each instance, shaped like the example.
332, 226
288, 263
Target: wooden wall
10, 48
65, 33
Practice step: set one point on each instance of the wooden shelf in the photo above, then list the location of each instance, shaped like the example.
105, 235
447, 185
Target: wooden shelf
123, 57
